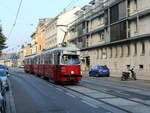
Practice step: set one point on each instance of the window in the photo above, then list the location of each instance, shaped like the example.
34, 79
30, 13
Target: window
128, 50
122, 51
101, 53
110, 52
101, 20
128, 66
101, 36
116, 52
143, 48
40, 47
104, 53
97, 54
135, 27
87, 42
135, 5
141, 67
135, 49
83, 25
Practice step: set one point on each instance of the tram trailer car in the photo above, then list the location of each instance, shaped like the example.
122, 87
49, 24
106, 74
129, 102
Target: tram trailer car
29, 66
59, 64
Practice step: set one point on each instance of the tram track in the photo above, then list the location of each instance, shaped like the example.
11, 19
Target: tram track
138, 102
117, 96
65, 88
127, 111
103, 86
120, 83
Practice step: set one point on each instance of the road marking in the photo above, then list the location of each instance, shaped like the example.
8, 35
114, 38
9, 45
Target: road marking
91, 101
69, 94
100, 95
92, 105
59, 89
122, 93
119, 102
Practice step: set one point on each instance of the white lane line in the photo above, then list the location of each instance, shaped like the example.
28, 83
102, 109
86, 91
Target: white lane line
59, 89
69, 94
92, 105
122, 93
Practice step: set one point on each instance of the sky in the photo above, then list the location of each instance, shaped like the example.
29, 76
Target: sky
31, 11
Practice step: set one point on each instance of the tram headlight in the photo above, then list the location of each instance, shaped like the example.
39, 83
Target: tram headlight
72, 72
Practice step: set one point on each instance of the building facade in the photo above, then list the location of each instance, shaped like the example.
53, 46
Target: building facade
27, 50
57, 28
40, 34
115, 33
34, 46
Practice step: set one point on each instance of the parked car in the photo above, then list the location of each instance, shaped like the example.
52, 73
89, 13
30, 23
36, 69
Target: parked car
4, 79
2, 98
99, 71
5, 68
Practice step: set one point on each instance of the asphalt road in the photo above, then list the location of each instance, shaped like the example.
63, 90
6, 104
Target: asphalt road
92, 95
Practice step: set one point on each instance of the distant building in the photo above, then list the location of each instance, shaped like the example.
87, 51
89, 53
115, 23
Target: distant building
7, 59
40, 34
56, 28
27, 50
34, 45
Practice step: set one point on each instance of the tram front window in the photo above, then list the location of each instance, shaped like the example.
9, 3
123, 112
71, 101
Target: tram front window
70, 60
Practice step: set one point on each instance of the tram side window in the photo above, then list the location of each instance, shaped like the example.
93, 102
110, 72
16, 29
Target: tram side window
42, 60
25, 61
39, 60
56, 58
28, 61
46, 59
50, 59
32, 61
36, 60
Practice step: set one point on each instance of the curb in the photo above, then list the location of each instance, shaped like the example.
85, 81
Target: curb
11, 105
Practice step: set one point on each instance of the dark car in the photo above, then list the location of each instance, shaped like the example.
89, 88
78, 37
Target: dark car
99, 71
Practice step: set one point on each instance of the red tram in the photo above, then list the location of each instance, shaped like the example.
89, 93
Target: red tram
29, 66
59, 64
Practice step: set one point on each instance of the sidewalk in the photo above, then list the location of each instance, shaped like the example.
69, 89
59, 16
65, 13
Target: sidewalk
139, 77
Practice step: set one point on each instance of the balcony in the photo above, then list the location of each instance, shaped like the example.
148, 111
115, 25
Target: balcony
132, 12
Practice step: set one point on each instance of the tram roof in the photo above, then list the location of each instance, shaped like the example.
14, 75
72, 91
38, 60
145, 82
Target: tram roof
69, 48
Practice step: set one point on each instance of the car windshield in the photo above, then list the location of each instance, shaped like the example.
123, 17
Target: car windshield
2, 73
105, 67
70, 60
101, 67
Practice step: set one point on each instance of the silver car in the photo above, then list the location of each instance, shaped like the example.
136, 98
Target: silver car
4, 79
